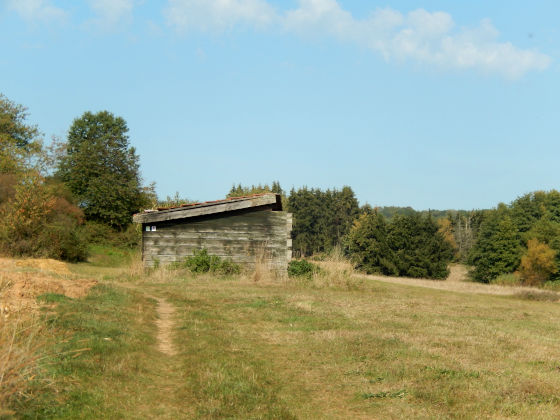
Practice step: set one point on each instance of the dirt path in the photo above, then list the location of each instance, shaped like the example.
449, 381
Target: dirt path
458, 282
164, 323
165, 312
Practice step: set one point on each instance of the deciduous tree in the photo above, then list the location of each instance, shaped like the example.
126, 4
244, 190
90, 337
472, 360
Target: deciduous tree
101, 169
538, 264
19, 140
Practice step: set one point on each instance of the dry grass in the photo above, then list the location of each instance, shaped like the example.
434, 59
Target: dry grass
262, 272
22, 335
136, 267
19, 351
383, 351
337, 346
336, 272
23, 280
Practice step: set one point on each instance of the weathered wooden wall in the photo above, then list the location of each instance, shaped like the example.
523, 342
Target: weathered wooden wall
240, 237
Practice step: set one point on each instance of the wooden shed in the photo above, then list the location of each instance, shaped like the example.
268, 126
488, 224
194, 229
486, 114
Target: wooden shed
240, 228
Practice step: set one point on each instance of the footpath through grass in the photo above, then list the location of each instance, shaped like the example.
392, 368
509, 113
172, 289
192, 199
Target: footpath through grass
284, 351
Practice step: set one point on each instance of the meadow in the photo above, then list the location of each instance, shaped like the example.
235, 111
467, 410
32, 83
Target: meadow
334, 346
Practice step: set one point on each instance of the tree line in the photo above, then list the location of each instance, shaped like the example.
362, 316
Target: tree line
56, 200
521, 239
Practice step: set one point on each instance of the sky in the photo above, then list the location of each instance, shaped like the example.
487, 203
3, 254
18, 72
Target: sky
430, 104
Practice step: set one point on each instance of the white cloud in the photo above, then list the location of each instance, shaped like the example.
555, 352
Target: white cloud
33, 10
112, 12
425, 37
218, 14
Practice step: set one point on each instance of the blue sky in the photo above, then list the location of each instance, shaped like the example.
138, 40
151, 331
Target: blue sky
432, 104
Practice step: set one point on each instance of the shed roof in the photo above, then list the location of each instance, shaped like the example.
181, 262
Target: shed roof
185, 211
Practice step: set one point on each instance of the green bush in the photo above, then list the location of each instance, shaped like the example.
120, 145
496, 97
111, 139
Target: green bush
101, 234
301, 268
62, 241
201, 262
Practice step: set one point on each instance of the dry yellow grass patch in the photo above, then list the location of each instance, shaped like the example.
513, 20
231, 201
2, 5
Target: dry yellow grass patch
23, 280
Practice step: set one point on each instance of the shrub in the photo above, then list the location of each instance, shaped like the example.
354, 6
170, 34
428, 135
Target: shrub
102, 234
62, 241
201, 262
301, 268
39, 224
229, 268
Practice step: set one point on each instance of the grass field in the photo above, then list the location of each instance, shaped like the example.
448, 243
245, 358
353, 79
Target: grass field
356, 348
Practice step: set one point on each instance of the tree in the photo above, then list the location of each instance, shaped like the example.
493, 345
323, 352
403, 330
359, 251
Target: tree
19, 141
538, 264
321, 218
419, 249
446, 230
367, 246
407, 246
465, 227
498, 248
101, 169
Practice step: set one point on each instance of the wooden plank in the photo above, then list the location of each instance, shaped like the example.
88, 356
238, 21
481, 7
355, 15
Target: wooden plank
201, 239
263, 222
207, 209
239, 260
231, 249
196, 238
274, 230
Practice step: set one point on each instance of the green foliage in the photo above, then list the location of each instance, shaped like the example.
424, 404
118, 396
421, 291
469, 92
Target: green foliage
528, 209
506, 231
368, 247
240, 191
301, 268
388, 212
19, 141
201, 262
174, 201
101, 234
102, 170
498, 249
408, 246
321, 218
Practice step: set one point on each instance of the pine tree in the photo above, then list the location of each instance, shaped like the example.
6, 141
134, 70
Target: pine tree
498, 249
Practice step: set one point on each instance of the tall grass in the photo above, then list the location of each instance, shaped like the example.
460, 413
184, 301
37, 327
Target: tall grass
335, 271
262, 271
19, 352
